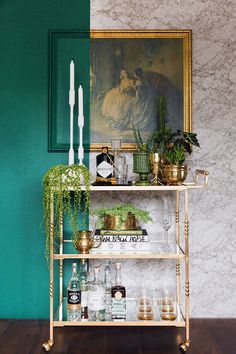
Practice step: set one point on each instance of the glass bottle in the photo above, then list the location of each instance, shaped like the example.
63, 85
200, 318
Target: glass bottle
74, 296
96, 298
118, 294
84, 289
108, 286
104, 164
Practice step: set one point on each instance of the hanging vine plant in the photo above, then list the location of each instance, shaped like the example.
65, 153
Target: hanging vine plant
66, 184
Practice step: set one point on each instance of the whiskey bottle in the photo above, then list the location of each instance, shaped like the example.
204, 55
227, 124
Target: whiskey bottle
96, 298
74, 296
104, 165
118, 296
84, 290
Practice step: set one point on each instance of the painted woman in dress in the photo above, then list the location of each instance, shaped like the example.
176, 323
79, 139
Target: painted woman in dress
118, 101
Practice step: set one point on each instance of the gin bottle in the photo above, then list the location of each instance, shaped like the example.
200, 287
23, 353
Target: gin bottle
84, 290
108, 286
104, 163
118, 294
96, 298
74, 296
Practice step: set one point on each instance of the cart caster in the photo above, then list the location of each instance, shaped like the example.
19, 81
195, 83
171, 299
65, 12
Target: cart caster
47, 345
183, 347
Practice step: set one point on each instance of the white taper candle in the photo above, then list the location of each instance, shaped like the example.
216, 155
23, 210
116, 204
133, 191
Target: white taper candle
71, 103
81, 125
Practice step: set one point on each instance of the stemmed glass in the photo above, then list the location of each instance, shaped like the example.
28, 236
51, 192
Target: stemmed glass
166, 219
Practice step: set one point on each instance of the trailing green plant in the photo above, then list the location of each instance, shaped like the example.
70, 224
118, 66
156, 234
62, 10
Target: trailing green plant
122, 211
62, 186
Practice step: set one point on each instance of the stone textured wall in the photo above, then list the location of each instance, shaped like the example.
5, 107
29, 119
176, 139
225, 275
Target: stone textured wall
212, 211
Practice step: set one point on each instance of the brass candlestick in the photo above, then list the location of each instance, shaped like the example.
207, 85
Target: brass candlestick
155, 160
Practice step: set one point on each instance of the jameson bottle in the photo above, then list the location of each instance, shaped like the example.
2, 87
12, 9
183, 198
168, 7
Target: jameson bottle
74, 296
84, 290
118, 297
104, 164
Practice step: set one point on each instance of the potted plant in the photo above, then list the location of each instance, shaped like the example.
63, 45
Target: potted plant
64, 183
157, 142
141, 159
176, 147
121, 217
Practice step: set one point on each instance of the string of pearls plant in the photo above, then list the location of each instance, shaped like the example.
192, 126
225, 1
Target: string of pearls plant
65, 183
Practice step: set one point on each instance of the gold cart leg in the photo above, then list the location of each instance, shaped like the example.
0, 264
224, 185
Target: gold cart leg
185, 345
177, 242
47, 346
61, 265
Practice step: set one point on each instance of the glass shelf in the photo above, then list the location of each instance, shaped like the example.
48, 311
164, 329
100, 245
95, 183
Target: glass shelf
60, 319
156, 251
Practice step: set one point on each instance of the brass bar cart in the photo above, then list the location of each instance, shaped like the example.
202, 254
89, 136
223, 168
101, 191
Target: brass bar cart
58, 319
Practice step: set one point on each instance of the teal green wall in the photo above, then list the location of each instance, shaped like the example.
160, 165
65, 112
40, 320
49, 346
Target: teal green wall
24, 29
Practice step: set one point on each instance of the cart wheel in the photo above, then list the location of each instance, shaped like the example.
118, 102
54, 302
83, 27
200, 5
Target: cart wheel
47, 345
183, 347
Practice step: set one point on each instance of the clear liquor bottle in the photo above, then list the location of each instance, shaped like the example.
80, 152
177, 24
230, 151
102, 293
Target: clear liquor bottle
104, 164
108, 286
96, 298
118, 293
84, 289
74, 296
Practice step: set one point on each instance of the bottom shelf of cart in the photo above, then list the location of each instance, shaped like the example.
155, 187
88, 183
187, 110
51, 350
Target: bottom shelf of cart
60, 319
121, 323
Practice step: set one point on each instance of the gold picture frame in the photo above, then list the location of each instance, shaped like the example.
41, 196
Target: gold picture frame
180, 39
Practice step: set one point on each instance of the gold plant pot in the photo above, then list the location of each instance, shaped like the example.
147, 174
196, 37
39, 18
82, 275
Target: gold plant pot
174, 174
113, 222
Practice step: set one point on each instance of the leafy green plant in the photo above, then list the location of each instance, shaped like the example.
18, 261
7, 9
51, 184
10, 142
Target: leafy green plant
177, 145
122, 212
62, 186
175, 155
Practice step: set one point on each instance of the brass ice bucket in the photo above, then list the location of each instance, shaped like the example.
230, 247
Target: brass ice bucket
174, 174
113, 222
84, 241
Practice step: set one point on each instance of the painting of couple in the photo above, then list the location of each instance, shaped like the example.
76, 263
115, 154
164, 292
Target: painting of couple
127, 77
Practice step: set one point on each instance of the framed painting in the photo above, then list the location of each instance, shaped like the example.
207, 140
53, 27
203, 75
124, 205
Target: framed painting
123, 74
129, 71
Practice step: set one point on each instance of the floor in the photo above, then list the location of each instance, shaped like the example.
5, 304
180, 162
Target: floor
209, 336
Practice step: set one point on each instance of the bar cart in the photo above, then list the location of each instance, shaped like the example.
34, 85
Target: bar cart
177, 253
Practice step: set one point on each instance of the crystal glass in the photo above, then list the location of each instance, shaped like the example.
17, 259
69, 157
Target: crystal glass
167, 305
165, 214
145, 305
120, 168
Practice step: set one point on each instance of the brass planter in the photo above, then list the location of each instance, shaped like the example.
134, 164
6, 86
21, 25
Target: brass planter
174, 174
113, 222
84, 241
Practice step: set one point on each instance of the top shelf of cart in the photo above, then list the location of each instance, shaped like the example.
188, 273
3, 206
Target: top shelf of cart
196, 184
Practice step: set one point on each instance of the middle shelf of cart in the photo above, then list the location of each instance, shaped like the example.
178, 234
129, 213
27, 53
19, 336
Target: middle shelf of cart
156, 251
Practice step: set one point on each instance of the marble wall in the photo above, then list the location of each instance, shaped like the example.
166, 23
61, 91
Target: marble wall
212, 211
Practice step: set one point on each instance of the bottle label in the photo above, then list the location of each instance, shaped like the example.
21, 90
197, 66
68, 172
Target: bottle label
96, 300
104, 169
74, 298
118, 305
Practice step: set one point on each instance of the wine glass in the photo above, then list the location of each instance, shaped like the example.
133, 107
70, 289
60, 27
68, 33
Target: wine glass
166, 219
